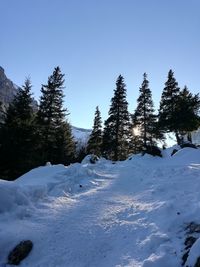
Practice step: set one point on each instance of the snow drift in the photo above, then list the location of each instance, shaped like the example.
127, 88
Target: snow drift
131, 213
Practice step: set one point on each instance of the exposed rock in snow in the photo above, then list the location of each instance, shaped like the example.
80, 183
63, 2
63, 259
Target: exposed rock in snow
20, 252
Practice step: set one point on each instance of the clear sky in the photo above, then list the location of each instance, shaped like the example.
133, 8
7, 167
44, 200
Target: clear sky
93, 41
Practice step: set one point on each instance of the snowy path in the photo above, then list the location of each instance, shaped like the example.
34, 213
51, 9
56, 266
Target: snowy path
134, 216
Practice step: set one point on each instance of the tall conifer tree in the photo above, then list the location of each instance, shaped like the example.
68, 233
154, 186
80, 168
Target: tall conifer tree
168, 113
18, 135
188, 112
95, 140
144, 118
117, 133
55, 138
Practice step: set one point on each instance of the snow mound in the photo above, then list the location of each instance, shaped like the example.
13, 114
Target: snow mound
11, 196
41, 175
187, 155
132, 213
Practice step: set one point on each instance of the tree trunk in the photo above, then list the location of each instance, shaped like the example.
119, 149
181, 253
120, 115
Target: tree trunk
178, 139
189, 137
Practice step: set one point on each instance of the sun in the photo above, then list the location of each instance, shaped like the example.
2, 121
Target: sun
136, 131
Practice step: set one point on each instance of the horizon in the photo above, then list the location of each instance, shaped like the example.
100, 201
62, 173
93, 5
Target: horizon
95, 42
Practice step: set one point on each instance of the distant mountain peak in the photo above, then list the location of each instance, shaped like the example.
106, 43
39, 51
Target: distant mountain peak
1, 70
81, 136
7, 89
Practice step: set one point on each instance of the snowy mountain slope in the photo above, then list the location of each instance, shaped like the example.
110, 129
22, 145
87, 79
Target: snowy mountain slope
131, 213
81, 136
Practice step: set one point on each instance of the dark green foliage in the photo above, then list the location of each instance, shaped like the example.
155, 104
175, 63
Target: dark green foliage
168, 115
54, 132
95, 140
117, 131
178, 111
136, 144
81, 154
187, 108
144, 118
153, 150
17, 151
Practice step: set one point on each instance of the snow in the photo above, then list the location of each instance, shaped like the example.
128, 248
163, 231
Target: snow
81, 136
194, 254
196, 137
131, 214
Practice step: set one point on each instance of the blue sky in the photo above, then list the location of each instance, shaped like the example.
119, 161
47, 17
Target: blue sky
93, 41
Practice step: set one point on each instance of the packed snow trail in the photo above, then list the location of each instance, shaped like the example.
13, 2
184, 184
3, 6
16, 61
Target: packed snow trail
131, 213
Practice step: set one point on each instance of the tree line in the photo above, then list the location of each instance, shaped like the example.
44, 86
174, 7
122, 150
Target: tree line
124, 133
30, 138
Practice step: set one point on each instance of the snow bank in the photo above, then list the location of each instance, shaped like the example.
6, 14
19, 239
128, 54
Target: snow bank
131, 213
41, 175
186, 156
11, 197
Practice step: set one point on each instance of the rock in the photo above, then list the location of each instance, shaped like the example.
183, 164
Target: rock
90, 159
20, 252
193, 228
93, 159
197, 264
189, 241
185, 256
174, 152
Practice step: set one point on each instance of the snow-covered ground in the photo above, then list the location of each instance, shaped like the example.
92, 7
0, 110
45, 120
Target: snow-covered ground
132, 213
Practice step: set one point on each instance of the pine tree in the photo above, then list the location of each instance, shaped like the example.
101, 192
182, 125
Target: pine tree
168, 115
95, 139
55, 138
188, 112
144, 118
17, 135
117, 134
